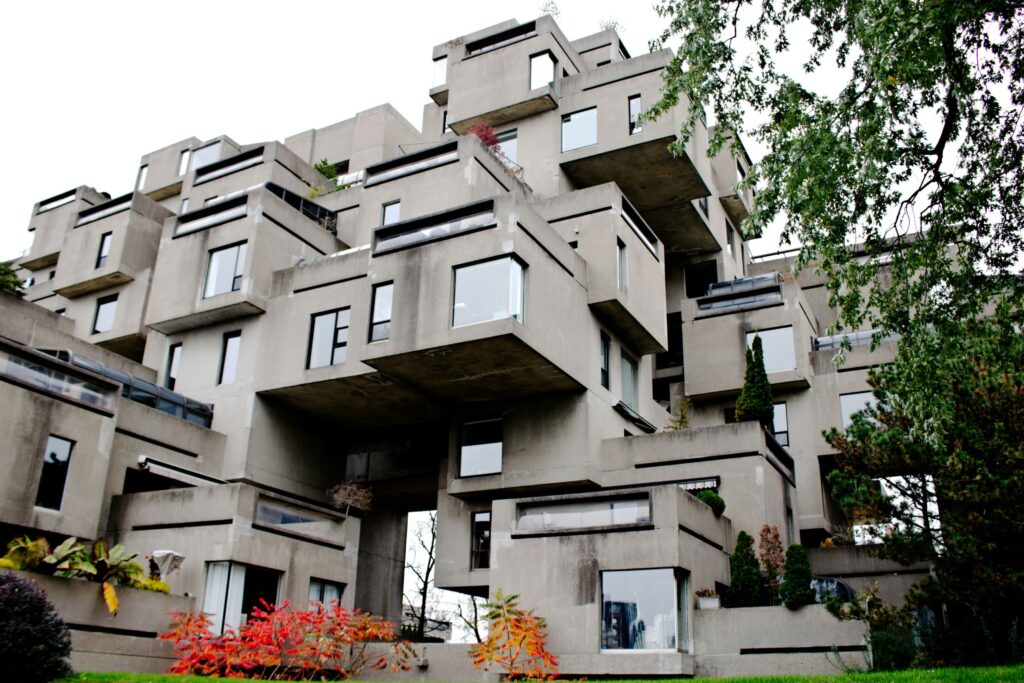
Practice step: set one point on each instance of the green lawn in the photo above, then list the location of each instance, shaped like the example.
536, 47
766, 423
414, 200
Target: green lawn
988, 675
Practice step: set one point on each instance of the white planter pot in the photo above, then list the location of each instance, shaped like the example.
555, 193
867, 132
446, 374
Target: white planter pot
709, 603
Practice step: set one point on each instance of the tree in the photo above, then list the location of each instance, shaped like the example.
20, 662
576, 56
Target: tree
516, 641
956, 500
755, 399
421, 561
470, 615
9, 280
772, 559
745, 574
796, 591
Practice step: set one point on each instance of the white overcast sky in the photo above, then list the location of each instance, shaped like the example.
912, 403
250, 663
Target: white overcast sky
88, 88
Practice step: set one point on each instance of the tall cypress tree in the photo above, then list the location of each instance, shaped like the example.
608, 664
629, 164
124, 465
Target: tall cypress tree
755, 399
745, 572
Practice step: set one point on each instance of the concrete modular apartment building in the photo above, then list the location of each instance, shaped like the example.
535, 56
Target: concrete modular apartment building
497, 335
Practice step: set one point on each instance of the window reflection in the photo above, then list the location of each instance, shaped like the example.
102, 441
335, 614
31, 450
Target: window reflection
640, 610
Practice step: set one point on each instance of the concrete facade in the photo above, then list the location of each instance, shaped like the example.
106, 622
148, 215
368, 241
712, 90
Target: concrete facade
499, 334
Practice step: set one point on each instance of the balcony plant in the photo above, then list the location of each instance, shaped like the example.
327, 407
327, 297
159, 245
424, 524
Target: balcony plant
755, 399
796, 591
712, 500
745, 574
707, 598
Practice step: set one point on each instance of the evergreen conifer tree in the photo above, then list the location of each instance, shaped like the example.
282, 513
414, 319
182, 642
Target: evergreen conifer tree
9, 280
745, 588
755, 399
796, 591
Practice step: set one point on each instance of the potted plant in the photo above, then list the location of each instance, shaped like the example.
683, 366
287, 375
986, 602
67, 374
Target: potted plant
707, 598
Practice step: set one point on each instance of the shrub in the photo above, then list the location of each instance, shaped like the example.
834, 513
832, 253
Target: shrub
772, 559
745, 572
326, 169
755, 399
515, 641
325, 643
147, 584
796, 591
485, 133
36, 642
26, 554
712, 500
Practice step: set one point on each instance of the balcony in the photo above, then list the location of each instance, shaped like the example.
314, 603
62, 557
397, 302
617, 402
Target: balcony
118, 240
506, 73
492, 338
51, 220
217, 262
602, 141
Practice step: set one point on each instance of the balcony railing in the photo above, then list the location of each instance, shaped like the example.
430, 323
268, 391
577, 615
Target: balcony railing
58, 200
855, 338
101, 211
413, 163
54, 380
435, 227
219, 169
325, 218
502, 39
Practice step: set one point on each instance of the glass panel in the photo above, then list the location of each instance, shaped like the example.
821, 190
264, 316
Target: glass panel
583, 514
622, 266
853, 403
183, 162
508, 145
173, 360
421, 165
143, 172
634, 115
492, 290
779, 352
225, 274
321, 340
229, 360
440, 71
639, 610
629, 381
391, 213
101, 258
380, 321
481, 541
606, 351
53, 380
480, 451
216, 593
224, 216
105, 309
56, 461
432, 232
295, 520
542, 70
780, 423
206, 155
579, 129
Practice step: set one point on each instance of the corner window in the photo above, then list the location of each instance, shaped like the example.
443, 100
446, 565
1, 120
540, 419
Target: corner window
622, 265
579, 129
328, 338
106, 307
542, 70
183, 162
780, 424
380, 317
325, 592
101, 257
141, 181
491, 290
480, 448
390, 213
508, 145
630, 372
606, 353
643, 609
854, 403
56, 461
480, 534
225, 272
173, 360
779, 351
231, 345
634, 115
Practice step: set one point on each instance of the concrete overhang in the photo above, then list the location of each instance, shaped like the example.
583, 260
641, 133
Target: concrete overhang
94, 284
239, 308
613, 313
714, 390
540, 100
38, 262
735, 206
439, 94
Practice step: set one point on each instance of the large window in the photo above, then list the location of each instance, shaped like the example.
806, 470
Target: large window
325, 592
225, 273
56, 460
579, 129
642, 609
101, 257
780, 424
480, 448
233, 589
380, 317
606, 354
230, 348
328, 338
635, 125
106, 307
173, 361
542, 70
480, 533
630, 378
391, 213
779, 352
491, 290
854, 403
585, 513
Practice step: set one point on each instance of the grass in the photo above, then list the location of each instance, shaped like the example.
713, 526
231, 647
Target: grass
1007, 674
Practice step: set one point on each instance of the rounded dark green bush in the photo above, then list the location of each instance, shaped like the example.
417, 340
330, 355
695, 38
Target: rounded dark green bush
796, 590
34, 641
713, 500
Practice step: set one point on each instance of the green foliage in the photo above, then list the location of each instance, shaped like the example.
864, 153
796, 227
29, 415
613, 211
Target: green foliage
36, 642
680, 419
891, 630
796, 591
24, 553
68, 559
745, 572
9, 280
755, 399
148, 584
326, 169
712, 500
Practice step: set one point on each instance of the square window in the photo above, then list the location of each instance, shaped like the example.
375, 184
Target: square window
491, 290
230, 347
480, 447
579, 129
324, 592
542, 70
854, 403
642, 609
380, 318
56, 461
106, 307
779, 352
101, 257
225, 271
391, 213
328, 338
480, 533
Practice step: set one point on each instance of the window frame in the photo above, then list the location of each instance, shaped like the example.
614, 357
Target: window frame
628, 360
517, 315
748, 339
384, 208
680, 609
480, 546
44, 477
554, 69
100, 303
106, 239
374, 323
239, 270
635, 125
335, 345
461, 446
784, 433
566, 118
606, 360
173, 363
226, 340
